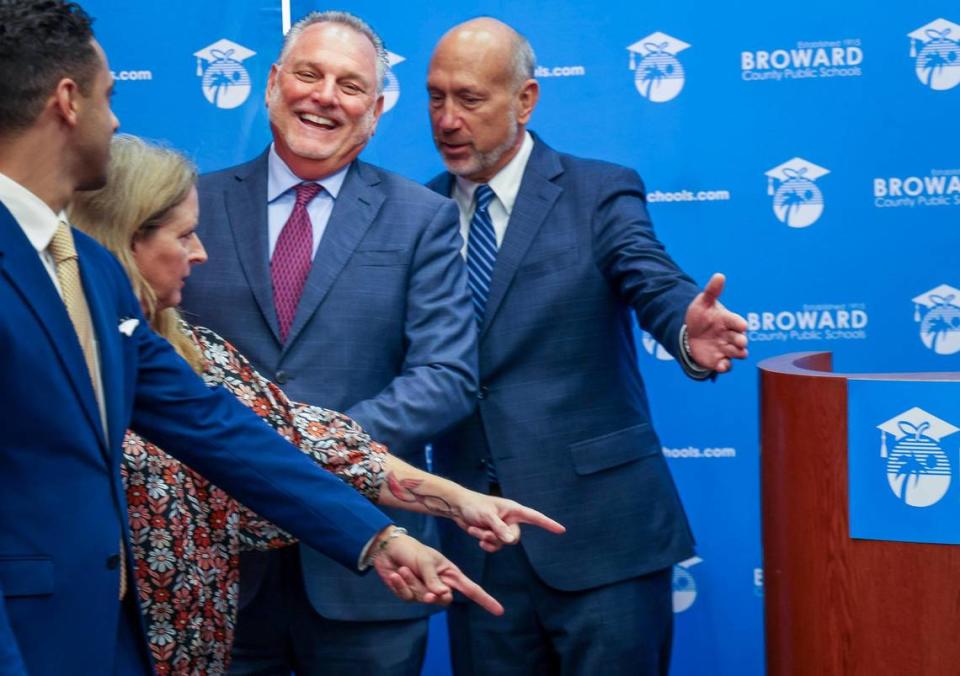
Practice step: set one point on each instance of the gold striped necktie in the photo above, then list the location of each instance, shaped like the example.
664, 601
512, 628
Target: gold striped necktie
64, 254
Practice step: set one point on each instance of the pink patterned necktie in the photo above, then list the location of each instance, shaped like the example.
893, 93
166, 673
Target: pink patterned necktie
292, 258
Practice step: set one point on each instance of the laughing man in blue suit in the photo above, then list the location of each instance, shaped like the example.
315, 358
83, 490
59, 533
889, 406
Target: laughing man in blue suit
382, 330
560, 253
80, 366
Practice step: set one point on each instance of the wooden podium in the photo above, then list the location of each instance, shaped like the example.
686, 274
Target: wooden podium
837, 606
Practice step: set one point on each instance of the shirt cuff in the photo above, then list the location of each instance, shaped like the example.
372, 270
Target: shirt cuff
364, 562
692, 368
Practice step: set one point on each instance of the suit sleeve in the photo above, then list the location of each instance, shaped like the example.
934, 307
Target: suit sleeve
437, 385
11, 663
635, 262
209, 430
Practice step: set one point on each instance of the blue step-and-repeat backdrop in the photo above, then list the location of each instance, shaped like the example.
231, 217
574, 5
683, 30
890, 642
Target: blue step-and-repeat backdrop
805, 149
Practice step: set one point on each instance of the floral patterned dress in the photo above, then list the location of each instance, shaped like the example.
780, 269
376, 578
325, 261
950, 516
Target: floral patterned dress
187, 533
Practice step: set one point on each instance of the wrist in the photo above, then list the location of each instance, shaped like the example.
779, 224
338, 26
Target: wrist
686, 353
381, 542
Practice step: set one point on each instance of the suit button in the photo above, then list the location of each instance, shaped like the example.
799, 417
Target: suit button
113, 562
282, 377
483, 392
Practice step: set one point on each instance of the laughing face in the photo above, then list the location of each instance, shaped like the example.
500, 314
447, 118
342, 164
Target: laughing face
323, 99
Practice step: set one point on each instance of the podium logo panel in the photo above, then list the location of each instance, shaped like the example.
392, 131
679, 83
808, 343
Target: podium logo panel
797, 200
225, 82
903, 485
658, 74
937, 312
918, 469
935, 48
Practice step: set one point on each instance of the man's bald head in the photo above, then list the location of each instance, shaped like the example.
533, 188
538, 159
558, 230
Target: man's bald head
497, 39
482, 94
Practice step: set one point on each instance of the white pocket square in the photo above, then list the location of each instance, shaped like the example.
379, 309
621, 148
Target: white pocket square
128, 326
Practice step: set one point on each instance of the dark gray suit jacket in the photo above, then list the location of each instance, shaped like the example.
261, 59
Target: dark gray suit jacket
384, 330
562, 407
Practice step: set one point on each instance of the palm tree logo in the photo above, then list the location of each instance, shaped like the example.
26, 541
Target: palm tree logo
796, 196
938, 63
939, 52
940, 327
659, 75
918, 470
654, 70
224, 74
797, 202
225, 82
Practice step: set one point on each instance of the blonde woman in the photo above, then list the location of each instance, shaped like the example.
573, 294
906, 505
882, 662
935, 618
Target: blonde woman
187, 533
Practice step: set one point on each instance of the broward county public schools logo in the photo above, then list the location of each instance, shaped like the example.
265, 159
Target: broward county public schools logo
391, 85
918, 469
938, 313
684, 585
797, 201
659, 75
225, 83
938, 56
654, 348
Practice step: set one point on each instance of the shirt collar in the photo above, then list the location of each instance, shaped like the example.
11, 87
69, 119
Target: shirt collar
35, 217
280, 178
506, 183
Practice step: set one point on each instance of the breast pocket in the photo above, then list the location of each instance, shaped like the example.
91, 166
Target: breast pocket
26, 575
379, 257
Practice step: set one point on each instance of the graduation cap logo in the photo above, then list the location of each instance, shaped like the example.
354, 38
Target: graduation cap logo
225, 82
658, 75
684, 585
391, 85
918, 469
938, 312
936, 48
797, 201
654, 348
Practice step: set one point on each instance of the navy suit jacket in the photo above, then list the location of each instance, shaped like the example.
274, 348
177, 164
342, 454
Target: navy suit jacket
62, 506
562, 407
384, 331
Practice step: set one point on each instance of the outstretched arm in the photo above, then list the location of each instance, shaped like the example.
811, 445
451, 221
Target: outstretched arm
341, 446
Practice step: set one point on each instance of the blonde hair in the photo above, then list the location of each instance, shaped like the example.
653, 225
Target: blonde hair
144, 183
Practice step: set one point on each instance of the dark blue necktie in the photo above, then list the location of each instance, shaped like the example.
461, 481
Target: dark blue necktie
481, 250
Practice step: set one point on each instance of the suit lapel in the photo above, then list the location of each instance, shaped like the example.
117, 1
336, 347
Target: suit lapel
535, 199
246, 206
22, 267
354, 210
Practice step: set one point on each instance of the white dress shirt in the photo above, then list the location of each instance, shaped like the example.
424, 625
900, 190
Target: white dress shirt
505, 186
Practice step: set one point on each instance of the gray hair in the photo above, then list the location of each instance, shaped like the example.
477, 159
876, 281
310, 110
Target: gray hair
344, 19
522, 60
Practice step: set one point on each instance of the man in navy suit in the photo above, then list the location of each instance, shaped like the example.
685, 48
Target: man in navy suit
80, 366
560, 254
382, 328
